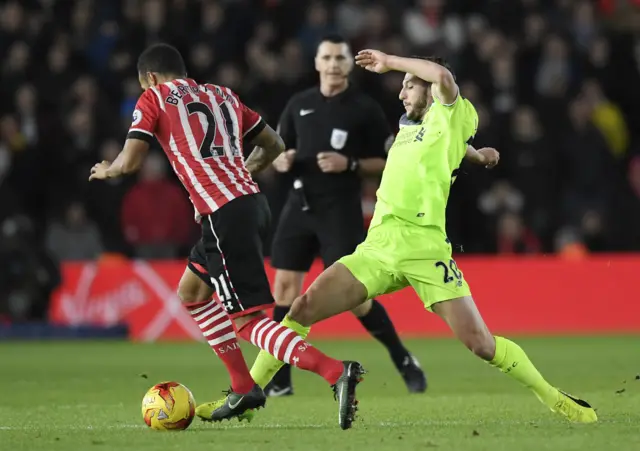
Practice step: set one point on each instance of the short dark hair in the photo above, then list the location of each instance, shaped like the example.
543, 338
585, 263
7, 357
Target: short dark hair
438, 60
334, 38
162, 59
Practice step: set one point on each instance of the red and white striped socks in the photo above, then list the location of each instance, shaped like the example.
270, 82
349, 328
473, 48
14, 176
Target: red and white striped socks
287, 346
217, 328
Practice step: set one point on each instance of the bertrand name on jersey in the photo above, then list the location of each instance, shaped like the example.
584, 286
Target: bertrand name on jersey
182, 90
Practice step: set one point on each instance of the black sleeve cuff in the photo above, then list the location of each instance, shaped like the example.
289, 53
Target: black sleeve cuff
140, 135
251, 134
470, 140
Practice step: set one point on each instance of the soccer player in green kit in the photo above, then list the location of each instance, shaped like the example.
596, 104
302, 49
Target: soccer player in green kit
407, 245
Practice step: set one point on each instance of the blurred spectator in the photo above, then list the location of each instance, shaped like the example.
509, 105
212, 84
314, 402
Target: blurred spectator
505, 87
156, 216
608, 118
28, 275
350, 18
585, 28
593, 231
26, 109
69, 79
16, 69
533, 158
104, 203
588, 174
513, 237
317, 26
569, 245
502, 197
75, 237
554, 72
201, 58
422, 23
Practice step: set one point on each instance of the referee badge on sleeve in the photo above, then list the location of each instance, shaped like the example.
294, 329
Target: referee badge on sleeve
338, 138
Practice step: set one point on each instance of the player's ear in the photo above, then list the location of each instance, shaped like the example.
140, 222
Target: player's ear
316, 61
152, 79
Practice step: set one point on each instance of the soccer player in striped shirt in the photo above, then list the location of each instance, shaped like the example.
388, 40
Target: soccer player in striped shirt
201, 128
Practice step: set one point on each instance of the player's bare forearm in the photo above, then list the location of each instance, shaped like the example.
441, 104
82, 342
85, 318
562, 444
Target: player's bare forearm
487, 156
371, 166
269, 145
259, 160
423, 69
428, 71
129, 160
474, 156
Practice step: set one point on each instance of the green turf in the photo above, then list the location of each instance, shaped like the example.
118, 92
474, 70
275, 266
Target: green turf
86, 396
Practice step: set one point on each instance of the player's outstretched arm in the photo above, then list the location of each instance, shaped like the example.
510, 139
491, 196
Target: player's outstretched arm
487, 156
444, 85
269, 145
128, 161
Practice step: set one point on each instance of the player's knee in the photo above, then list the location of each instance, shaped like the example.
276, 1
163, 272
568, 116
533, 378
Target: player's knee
287, 287
302, 310
363, 309
189, 295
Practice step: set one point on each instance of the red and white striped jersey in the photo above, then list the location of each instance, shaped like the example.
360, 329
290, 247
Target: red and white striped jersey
201, 128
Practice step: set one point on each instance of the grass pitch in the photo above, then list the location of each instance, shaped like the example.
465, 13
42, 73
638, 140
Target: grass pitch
86, 396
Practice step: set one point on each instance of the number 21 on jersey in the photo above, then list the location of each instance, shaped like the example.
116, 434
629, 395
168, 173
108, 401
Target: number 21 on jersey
210, 147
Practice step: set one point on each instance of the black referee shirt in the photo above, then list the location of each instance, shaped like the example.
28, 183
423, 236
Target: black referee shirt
350, 123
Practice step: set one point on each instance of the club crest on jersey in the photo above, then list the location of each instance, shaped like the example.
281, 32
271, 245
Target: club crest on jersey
137, 117
338, 138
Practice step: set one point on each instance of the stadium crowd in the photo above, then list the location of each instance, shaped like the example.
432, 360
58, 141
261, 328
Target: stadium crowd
554, 81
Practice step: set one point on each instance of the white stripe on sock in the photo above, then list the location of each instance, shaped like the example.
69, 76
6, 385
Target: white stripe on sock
204, 307
273, 331
203, 315
279, 341
226, 337
212, 320
220, 326
290, 348
255, 329
269, 326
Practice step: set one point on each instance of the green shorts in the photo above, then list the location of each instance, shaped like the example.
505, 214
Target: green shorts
398, 254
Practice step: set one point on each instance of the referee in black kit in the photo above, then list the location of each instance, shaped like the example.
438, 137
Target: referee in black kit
334, 135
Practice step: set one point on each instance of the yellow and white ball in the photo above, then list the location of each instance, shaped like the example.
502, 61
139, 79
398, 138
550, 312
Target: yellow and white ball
168, 406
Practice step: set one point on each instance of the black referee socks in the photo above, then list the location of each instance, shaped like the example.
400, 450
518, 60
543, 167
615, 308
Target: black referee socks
378, 323
279, 312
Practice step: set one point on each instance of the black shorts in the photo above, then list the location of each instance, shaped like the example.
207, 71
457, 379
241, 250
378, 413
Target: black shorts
331, 233
229, 255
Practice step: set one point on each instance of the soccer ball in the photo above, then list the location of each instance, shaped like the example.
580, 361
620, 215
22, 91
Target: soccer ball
168, 406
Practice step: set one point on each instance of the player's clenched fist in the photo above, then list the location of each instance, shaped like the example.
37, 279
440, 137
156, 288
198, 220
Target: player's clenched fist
99, 171
284, 161
490, 156
373, 60
332, 162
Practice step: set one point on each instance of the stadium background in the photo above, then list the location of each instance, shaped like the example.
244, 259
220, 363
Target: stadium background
555, 83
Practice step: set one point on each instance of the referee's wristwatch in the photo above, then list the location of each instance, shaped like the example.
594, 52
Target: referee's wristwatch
353, 165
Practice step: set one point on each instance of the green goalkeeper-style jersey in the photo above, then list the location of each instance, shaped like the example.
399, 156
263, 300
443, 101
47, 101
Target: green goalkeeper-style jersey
423, 162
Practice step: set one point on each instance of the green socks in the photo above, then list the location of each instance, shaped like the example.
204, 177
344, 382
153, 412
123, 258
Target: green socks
512, 360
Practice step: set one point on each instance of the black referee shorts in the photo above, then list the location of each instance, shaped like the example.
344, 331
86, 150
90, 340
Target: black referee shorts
231, 251
330, 232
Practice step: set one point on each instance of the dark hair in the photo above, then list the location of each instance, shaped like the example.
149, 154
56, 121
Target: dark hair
438, 60
162, 59
334, 38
